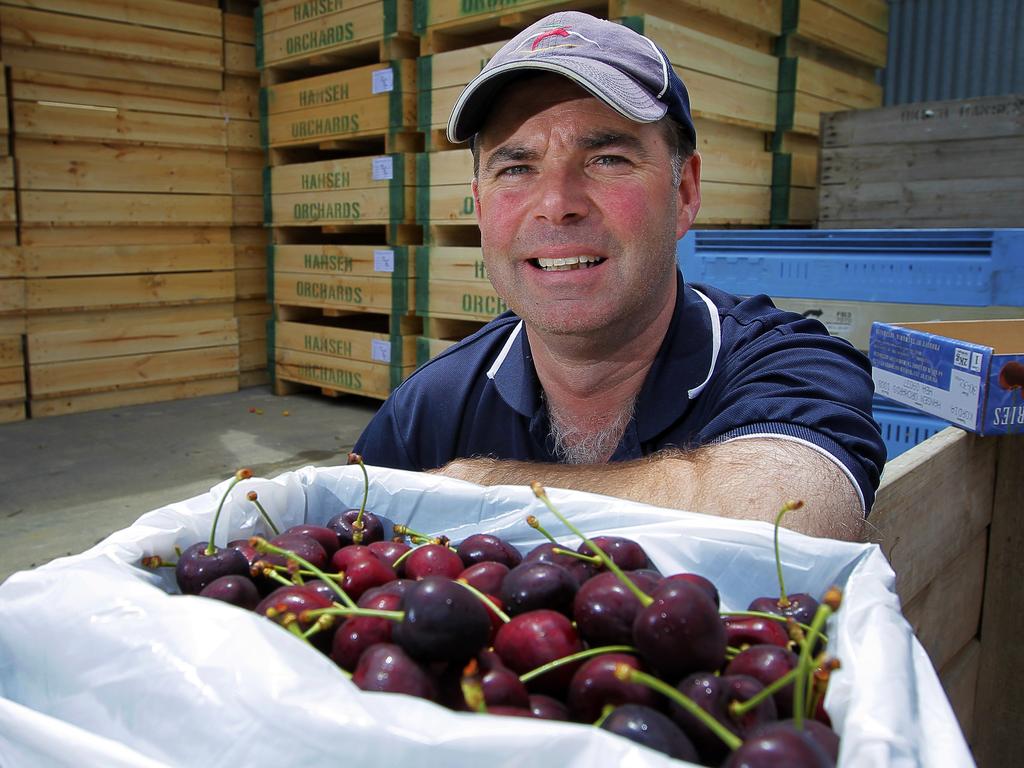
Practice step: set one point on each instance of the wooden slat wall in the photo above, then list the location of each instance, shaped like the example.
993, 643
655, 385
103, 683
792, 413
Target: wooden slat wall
135, 135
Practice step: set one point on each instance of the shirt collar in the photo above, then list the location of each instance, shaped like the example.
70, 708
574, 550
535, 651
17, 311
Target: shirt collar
680, 371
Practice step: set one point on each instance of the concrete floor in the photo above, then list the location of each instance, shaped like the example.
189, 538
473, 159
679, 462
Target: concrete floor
69, 481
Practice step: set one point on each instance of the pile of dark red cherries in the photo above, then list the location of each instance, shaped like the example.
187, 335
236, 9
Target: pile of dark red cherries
592, 634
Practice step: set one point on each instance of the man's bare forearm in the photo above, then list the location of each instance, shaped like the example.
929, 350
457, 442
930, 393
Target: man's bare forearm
746, 479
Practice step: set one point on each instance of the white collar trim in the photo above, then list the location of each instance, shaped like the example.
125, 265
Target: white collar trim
716, 343
504, 351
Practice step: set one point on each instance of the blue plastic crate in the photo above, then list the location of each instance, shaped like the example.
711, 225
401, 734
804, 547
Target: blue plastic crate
903, 427
960, 267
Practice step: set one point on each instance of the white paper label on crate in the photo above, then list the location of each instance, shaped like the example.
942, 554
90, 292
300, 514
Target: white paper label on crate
384, 261
383, 80
380, 351
958, 404
383, 168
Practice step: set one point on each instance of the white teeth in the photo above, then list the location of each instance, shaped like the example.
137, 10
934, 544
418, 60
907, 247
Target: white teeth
569, 262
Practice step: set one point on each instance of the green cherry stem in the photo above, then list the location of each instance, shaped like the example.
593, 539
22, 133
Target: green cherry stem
574, 657
338, 610
606, 710
789, 506
772, 616
420, 538
240, 475
643, 597
485, 600
806, 666
627, 674
740, 708
592, 559
357, 524
533, 522
263, 545
255, 499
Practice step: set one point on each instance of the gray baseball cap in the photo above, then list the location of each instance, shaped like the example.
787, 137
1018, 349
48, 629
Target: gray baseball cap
626, 70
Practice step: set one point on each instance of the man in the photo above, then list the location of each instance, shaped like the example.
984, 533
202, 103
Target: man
610, 374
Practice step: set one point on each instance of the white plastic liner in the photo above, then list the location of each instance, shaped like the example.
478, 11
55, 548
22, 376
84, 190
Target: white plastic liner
100, 664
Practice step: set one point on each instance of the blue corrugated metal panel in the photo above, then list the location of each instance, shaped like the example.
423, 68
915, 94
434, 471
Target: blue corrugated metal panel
954, 49
960, 267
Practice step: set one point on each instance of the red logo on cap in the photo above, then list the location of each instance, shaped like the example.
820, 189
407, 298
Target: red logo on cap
559, 32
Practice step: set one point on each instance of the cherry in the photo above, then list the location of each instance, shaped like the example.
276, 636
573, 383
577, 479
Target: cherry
486, 576
767, 663
481, 547
502, 688
704, 583
234, 589
198, 566
324, 536
604, 609
432, 560
680, 631
357, 526
306, 547
625, 553
800, 606
365, 573
443, 621
595, 685
389, 552
387, 667
357, 634
533, 585
776, 745
548, 553
741, 631
397, 587
548, 707
652, 729
533, 639
286, 606
714, 694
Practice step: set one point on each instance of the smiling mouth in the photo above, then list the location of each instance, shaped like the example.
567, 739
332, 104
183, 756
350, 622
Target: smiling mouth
567, 263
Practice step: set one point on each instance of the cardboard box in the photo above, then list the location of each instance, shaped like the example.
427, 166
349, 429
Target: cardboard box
970, 373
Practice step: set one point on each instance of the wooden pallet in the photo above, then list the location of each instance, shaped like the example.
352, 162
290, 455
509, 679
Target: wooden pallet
441, 78
452, 284
951, 163
807, 89
857, 29
12, 379
298, 34
12, 291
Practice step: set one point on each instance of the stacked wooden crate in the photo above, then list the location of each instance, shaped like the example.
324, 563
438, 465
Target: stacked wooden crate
125, 199
829, 52
339, 120
12, 280
245, 162
954, 163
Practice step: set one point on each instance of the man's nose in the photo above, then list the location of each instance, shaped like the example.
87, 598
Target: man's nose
562, 196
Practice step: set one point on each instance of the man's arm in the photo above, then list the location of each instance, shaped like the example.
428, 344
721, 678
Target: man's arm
747, 479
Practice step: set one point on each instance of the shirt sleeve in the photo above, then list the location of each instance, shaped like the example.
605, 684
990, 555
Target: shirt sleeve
794, 381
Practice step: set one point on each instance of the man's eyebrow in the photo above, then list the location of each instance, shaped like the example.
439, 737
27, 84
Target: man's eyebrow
606, 139
515, 154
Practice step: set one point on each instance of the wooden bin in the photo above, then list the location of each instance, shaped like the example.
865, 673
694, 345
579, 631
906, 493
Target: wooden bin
947, 515
953, 163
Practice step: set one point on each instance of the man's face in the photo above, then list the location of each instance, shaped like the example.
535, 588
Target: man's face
578, 212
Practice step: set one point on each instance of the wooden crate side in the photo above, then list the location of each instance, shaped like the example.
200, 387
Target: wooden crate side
825, 25
959, 679
70, 293
366, 294
435, 264
84, 90
723, 203
84, 176
359, 206
346, 343
729, 101
975, 202
463, 300
159, 14
79, 403
874, 13
275, 15
933, 501
251, 283
764, 16
112, 340
317, 259
986, 117
66, 122
66, 261
351, 120
124, 235
44, 30
12, 296
78, 63
28, 150
128, 371
112, 209
350, 31
380, 81
998, 737
954, 592
382, 173
336, 374
805, 75
932, 161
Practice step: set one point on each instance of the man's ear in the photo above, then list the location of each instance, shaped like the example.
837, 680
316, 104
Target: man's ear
476, 199
689, 195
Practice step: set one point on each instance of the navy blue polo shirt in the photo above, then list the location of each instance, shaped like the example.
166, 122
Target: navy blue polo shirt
728, 368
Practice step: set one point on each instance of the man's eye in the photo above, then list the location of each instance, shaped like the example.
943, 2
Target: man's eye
512, 170
610, 160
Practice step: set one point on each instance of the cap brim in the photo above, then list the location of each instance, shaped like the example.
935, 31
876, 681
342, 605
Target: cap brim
618, 91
